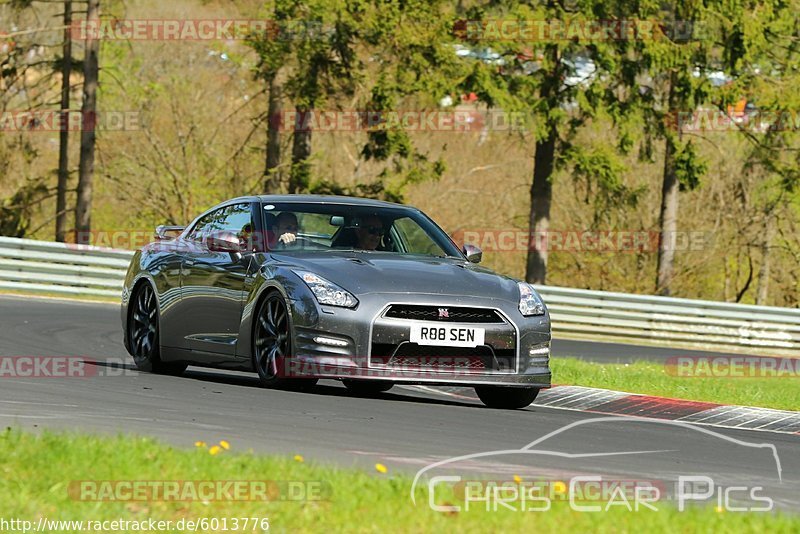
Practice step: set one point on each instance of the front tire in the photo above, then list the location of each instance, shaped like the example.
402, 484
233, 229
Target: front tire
143, 335
272, 344
506, 398
367, 387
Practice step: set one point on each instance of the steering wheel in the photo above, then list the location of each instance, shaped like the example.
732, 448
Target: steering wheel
299, 242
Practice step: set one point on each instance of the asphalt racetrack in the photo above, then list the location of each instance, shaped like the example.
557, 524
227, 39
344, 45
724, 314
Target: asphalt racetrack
406, 429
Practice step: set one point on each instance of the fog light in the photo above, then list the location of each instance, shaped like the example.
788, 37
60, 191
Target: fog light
539, 356
330, 341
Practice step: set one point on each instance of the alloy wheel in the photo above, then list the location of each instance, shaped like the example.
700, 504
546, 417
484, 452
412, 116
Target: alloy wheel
144, 324
272, 336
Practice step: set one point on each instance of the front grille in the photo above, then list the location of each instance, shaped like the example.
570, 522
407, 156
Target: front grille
409, 355
457, 314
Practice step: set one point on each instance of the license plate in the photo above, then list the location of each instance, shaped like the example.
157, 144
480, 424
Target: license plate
447, 335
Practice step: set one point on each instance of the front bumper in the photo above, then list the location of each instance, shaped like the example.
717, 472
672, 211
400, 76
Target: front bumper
365, 344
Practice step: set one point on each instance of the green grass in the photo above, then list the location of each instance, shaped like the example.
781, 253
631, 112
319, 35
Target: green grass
60, 296
652, 378
37, 471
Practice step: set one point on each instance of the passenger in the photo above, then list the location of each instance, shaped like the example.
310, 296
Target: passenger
246, 237
369, 233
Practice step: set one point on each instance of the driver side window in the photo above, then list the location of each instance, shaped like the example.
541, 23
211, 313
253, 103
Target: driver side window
235, 218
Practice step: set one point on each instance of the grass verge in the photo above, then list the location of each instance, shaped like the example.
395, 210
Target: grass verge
38, 471
652, 378
60, 296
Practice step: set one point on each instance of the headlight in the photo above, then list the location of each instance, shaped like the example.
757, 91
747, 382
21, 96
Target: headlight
327, 292
529, 301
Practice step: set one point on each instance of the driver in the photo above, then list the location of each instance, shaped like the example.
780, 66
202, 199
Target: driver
369, 232
286, 228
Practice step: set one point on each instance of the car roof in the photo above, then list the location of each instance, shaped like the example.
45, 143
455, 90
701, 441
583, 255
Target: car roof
322, 199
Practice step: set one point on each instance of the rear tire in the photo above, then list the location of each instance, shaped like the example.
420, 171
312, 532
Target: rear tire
272, 344
143, 335
367, 387
506, 398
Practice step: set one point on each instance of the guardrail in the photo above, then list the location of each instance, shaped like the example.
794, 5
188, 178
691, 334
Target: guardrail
57, 268
703, 324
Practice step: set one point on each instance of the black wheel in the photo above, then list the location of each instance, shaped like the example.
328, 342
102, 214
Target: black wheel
143, 339
368, 387
506, 398
272, 344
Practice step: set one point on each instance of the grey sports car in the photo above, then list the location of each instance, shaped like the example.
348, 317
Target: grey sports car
302, 287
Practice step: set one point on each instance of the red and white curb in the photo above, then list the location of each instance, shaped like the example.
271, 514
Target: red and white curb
611, 402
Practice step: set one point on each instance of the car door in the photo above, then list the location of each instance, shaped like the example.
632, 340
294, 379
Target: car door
213, 283
165, 261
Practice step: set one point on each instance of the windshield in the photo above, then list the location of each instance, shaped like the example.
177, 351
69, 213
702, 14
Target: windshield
300, 226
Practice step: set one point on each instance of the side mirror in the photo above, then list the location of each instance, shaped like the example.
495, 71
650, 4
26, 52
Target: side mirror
472, 252
223, 241
164, 232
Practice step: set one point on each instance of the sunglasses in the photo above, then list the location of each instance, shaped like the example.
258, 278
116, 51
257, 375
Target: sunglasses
374, 230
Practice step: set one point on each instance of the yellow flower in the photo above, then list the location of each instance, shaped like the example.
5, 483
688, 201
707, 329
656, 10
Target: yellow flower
719, 509
213, 451
559, 487
517, 479
200, 444
380, 468
225, 445
298, 458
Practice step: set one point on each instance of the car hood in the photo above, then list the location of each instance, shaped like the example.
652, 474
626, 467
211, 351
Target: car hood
381, 272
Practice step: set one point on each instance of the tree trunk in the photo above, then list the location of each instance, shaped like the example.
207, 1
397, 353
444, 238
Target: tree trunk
275, 123
541, 198
542, 187
668, 220
766, 260
83, 223
301, 151
63, 137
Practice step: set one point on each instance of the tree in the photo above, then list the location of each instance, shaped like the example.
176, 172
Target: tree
663, 78
539, 77
83, 221
273, 47
668, 78
323, 59
63, 147
313, 48
274, 114
27, 83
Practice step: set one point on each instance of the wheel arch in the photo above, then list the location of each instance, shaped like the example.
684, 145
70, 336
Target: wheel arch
249, 326
294, 292
136, 286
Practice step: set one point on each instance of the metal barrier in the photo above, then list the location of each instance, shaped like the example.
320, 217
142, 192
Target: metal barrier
673, 322
57, 268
